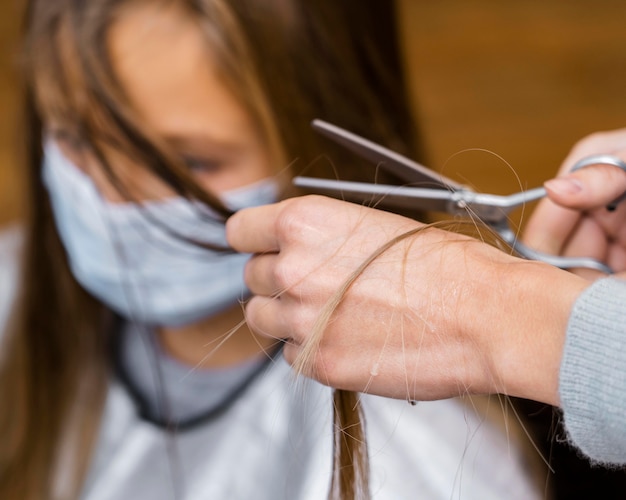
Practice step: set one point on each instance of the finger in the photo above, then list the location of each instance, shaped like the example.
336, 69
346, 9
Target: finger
253, 230
611, 142
291, 351
281, 318
617, 258
588, 188
611, 222
614, 238
260, 274
589, 240
265, 316
550, 227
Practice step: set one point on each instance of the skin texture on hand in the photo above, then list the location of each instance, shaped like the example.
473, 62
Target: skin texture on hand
435, 316
573, 220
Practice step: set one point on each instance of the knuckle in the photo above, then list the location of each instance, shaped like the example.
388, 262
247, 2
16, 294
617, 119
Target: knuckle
299, 216
288, 220
294, 215
285, 274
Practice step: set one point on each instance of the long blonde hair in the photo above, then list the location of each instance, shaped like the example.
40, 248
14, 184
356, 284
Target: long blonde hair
288, 62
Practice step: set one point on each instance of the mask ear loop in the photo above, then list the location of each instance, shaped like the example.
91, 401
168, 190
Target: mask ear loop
603, 160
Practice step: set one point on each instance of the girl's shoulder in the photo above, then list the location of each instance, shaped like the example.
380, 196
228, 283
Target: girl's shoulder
11, 244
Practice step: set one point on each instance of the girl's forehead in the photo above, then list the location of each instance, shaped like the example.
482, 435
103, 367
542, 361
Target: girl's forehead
169, 73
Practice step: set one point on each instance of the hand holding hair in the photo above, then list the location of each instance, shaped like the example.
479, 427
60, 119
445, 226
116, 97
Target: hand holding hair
435, 315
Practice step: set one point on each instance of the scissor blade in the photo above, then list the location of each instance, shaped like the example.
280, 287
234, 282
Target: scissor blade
490, 208
406, 169
379, 195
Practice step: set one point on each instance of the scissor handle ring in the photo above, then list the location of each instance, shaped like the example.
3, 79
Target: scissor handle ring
603, 160
599, 160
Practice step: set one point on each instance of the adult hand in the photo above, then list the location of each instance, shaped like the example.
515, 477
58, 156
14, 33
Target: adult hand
573, 220
435, 316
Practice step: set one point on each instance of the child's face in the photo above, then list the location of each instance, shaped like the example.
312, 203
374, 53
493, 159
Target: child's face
163, 65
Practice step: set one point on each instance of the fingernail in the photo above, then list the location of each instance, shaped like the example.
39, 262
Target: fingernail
564, 185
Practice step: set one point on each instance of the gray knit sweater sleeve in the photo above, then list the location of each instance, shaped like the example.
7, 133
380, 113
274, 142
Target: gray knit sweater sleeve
593, 372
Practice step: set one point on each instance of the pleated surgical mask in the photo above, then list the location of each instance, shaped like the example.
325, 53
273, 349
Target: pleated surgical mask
140, 259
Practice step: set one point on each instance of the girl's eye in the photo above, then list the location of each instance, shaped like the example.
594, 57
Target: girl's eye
201, 165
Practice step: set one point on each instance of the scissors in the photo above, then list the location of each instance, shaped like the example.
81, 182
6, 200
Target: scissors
426, 189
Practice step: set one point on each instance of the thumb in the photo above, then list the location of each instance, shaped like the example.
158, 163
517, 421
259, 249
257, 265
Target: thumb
588, 188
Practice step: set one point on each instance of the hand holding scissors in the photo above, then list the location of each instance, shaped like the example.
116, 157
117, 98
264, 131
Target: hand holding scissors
573, 219
428, 190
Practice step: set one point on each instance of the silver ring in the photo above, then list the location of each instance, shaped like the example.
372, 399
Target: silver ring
599, 160
603, 160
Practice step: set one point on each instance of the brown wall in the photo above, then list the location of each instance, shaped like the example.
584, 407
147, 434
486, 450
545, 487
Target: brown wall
9, 130
521, 79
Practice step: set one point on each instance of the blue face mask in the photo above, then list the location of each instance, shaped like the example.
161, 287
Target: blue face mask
132, 257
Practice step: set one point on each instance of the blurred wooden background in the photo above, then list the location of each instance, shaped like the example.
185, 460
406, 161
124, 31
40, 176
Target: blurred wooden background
10, 187
524, 80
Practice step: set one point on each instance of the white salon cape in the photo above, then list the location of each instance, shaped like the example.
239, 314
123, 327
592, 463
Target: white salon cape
275, 442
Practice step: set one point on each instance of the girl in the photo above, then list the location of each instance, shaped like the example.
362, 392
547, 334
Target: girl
127, 369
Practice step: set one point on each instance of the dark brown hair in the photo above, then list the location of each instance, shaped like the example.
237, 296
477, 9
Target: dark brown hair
288, 62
